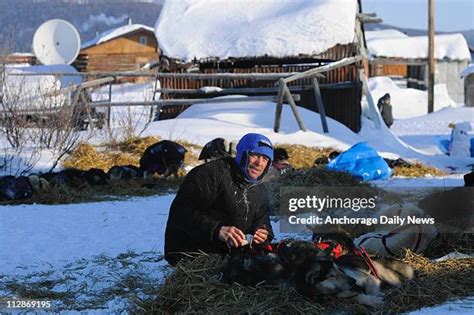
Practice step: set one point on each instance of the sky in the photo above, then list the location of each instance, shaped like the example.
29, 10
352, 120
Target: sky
450, 15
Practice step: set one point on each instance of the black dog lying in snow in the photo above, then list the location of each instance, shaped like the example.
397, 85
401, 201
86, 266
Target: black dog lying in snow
23, 187
333, 267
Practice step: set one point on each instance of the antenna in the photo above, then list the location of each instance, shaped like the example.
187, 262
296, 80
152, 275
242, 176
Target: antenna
56, 42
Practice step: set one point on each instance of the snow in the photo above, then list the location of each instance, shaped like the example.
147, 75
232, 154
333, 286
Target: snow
26, 91
409, 103
76, 246
414, 135
381, 34
78, 243
57, 234
451, 47
127, 92
55, 71
199, 123
114, 33
74, 241
460, 306
245, 28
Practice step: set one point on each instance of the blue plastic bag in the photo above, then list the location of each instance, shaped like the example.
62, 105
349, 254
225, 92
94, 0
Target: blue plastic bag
361, 161
444, 145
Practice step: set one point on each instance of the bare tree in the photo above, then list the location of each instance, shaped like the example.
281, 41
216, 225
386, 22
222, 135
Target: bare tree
13, 119
34, 115
19, 161
127, 123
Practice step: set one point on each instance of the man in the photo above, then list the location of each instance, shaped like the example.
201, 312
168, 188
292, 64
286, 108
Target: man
385, 109
222, 201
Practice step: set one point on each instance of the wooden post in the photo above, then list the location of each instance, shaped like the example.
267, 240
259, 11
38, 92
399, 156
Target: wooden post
2, 79
292, 103
154, 112
374, 113
319, 102
109, 108
431, 59
279, 106
325, 68
87, 108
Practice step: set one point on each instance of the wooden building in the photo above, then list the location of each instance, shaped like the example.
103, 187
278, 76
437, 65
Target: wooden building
128, 47
20, 58
341, 88
395, 54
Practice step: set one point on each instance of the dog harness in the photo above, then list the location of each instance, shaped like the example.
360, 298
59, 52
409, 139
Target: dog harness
360, 251
395, 231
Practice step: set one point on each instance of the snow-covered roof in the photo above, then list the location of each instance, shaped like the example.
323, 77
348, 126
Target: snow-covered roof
387, 33
200, 29
467, 71
114, 33
451, 47
22, 54
63, 80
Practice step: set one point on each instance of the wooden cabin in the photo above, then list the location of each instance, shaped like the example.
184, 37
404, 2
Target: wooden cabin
20, 58
399, 56
341, 88
128, 47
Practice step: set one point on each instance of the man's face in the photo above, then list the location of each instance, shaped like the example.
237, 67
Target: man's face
256, 165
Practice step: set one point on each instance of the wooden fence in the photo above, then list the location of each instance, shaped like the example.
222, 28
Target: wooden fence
281, 91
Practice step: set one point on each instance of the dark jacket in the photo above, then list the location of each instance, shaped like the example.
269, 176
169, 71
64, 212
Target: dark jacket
387, 115
213, 195
386, 112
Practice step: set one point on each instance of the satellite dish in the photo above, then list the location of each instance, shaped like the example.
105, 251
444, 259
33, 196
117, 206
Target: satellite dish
56, 42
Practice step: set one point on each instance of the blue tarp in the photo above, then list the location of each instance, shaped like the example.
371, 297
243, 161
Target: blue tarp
361, 161
444, 143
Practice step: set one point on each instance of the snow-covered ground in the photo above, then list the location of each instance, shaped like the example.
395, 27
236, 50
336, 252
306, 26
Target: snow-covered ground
100, 244
203, 122
92, 249
408, 102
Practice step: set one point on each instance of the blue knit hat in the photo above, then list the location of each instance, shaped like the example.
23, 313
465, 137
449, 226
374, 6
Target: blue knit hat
253, 143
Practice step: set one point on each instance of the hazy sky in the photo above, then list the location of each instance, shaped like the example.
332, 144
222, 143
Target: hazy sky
450, 15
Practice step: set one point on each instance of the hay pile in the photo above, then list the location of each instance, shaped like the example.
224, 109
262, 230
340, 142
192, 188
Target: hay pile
301, 156
196, 287
445, 243
86, 156
417, 170
116, 190
136, 146
318, 176
434, 283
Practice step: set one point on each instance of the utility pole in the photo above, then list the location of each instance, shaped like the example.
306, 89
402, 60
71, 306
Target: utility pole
431, 59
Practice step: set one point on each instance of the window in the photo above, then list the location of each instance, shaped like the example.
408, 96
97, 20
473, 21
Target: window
143, 40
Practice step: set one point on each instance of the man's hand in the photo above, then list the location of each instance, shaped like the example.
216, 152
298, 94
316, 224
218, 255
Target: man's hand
260, 236
232, 235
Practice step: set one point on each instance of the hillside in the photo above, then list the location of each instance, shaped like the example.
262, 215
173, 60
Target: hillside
20, 19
